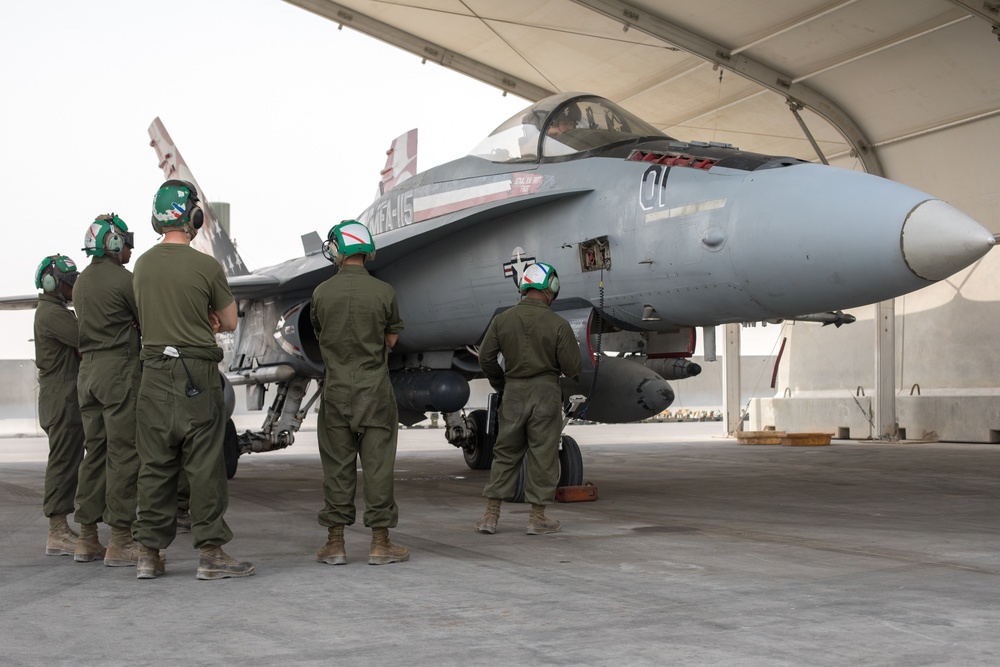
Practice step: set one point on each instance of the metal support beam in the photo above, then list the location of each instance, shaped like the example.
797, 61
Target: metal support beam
423, 49
708, 343
885, 371
987, 10
795, 107
773, 80
732, 400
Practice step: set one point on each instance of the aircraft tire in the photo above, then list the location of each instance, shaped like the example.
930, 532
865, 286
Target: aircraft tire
231, 449
570, 463
479, 452
522, 474
570, 469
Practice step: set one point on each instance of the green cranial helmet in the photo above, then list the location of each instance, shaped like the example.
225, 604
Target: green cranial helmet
347, 238
107, 234
176, 208
53, 270
542, 277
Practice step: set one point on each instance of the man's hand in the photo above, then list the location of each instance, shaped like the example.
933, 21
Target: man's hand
214, 321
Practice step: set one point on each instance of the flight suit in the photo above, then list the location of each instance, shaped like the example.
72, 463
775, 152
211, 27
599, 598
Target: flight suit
181, 412
57, 337
537, 346
351, 314
107, 389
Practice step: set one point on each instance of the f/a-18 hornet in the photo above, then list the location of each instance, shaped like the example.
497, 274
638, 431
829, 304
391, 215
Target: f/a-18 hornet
652, 237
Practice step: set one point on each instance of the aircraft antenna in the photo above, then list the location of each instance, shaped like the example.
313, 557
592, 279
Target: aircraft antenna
718, 106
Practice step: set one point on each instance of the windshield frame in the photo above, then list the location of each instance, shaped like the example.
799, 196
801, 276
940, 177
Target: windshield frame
531, 135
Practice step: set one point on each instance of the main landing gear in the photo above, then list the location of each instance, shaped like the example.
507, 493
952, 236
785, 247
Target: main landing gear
475, 434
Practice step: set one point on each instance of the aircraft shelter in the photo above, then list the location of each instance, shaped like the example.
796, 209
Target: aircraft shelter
906, 90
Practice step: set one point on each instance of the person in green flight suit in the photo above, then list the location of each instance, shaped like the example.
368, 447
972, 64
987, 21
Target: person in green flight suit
57, 339
537, 346
356, 319
184, 300
107, 387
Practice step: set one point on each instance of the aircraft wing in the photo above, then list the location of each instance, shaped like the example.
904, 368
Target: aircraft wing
252, 286
303, 274
25, 302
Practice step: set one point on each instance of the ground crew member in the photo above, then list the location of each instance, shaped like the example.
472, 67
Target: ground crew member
107, 387
537, 345
183, 300
356, 318
57, 338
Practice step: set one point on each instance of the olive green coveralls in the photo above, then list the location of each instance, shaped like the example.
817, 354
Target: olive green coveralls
351, 313
537, 345
57, 337
181, 413
107, 388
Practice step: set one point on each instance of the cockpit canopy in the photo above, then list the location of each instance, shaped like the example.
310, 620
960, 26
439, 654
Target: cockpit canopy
560, 126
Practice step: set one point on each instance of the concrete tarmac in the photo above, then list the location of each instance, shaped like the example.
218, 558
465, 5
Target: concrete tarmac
698, 552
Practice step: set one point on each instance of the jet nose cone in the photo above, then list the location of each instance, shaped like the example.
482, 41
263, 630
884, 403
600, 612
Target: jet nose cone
939, 240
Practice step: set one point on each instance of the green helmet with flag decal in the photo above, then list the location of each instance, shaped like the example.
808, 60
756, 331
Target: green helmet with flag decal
347, 238
176, 207
542, 277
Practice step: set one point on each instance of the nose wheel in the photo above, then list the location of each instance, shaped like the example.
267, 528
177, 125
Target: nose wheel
478, 449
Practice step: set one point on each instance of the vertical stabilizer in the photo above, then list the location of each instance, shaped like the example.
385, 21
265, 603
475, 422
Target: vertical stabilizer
212, 239
401, 161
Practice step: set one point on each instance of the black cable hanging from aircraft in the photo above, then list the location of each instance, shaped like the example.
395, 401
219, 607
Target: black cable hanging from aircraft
600, 333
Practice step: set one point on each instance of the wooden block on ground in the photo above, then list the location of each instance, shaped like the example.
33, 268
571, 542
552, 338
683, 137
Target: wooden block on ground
806, 439
759, 437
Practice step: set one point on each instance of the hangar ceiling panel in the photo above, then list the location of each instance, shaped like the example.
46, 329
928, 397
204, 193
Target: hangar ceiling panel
874, 72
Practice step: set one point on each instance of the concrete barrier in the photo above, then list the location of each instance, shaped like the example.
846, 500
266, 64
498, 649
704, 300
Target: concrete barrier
19, 394
19, 399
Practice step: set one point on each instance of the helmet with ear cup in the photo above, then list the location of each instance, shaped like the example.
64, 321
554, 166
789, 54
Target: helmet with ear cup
176, 207
347, 238
542, 277
107, 234
53, 270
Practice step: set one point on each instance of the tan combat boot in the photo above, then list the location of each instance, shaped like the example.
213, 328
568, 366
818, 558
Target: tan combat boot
62, 538
123, 551
539, 524
88, 545
488, 524
333, 552
217, 564
151, 563
383, 551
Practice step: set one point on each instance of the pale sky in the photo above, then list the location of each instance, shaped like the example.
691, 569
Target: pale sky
275, 110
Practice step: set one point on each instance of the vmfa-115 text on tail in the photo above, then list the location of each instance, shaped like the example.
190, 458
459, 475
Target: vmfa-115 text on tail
652, 237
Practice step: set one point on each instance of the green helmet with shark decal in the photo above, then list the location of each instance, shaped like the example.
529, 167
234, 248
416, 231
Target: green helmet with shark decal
107, 234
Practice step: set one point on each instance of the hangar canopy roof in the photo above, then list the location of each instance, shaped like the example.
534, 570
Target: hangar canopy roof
841, 78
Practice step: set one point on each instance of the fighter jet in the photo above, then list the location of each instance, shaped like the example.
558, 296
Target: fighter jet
652, 237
